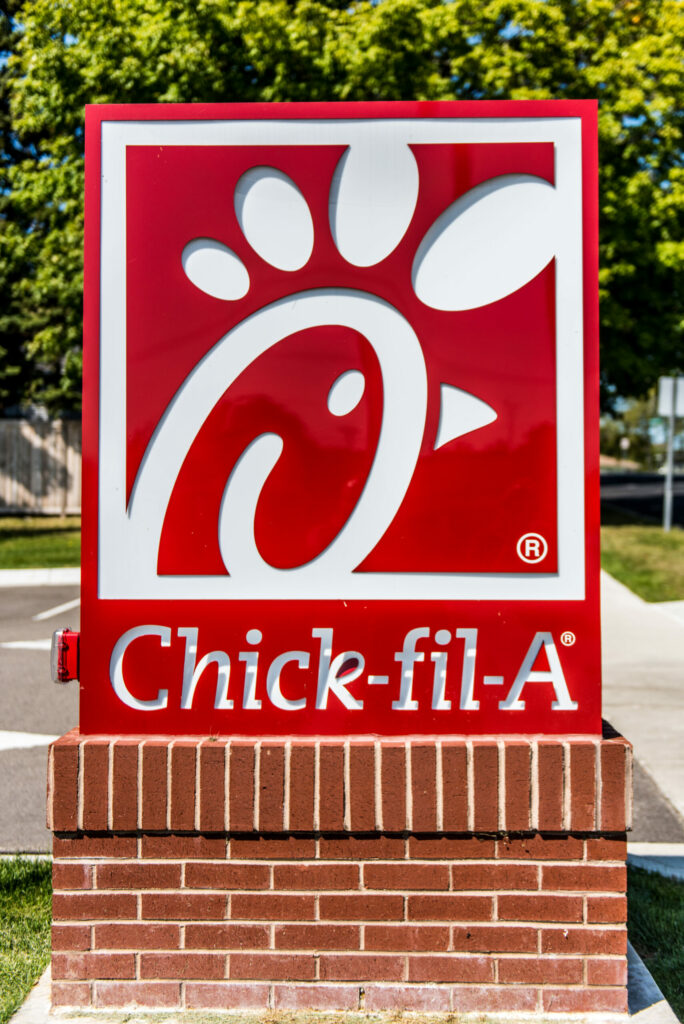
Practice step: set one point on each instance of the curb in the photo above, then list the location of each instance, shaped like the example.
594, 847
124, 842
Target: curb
39, 577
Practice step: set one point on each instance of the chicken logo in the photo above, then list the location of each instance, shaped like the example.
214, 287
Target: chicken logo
342, 332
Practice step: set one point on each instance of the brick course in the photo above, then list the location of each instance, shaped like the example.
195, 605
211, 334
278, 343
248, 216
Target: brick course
434, 876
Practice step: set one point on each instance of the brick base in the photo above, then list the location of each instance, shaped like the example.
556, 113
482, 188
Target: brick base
339, 876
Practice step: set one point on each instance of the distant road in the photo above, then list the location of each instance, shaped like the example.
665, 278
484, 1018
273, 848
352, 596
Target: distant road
642, 495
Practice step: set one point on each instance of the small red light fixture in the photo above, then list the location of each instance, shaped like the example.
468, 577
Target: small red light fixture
64, 655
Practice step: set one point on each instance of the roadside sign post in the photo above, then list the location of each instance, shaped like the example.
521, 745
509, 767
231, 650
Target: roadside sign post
340, 613
670, 405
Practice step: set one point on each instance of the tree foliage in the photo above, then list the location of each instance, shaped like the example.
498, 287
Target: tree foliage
72, 52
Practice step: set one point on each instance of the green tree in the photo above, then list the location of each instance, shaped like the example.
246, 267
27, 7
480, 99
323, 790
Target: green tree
625, 52
14, 367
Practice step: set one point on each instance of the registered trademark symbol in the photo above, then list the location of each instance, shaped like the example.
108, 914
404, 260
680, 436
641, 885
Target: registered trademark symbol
532, 547
568, 638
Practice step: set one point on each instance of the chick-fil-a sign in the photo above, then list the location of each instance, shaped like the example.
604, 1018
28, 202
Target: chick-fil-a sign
340, 407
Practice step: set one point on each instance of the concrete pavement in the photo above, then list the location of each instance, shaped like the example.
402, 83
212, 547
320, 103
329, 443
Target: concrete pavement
643, 682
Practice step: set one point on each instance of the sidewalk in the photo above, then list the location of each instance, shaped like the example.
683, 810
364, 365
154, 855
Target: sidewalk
643, 681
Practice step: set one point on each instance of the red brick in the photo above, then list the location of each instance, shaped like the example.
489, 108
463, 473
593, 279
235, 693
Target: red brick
93, 906
613, 770
494, 876
71, 876
540, 847
361, 967
137, 936
418, 998
138, 876
393, 786
448, 907
241, 797
582, 785
377, 847
183, 906
86, 966
409, 938
486, 785
607, 972
95, 770
550, 786
302, 787
109, 846
455, 786
272, 966
362, 786
182, 965
183, 784
451, 968
199, 875
584, 1000
225, 996
406, 876
272, 848
541, 970
607, 848
318, 936
75, 993
489, 939
316, 876
315, 997
606, 909
212, 794
540, 908
227, 936
125, 784
361, 907
183, 848
70, 936
424, 786
517, 786
584, 940
493, 999
271, 786
64, 785
584, 877
331, 787
137, 993
154, 754
450, 848
271, 907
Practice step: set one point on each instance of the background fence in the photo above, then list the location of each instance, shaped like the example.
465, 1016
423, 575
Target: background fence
40, 466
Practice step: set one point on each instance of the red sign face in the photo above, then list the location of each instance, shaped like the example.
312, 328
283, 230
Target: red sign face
340, 401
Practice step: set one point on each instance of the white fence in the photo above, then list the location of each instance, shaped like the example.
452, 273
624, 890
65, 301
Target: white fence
40, 466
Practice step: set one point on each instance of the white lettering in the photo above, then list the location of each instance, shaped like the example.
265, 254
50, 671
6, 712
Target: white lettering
439, 702
116, 668
467, 702
328, 681
192, 672
251, 660
563, 702
275, 694
407, 657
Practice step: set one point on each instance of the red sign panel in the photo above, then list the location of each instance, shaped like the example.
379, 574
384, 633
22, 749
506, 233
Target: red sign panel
340, 418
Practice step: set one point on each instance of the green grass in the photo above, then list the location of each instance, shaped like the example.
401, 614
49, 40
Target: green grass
40, 542
656, 930
645, 558
25, 891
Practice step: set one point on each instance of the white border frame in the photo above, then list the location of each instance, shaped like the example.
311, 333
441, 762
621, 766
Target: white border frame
120, 553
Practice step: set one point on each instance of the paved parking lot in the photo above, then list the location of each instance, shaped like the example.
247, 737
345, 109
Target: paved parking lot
33, 708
